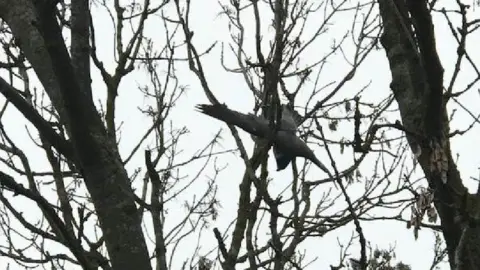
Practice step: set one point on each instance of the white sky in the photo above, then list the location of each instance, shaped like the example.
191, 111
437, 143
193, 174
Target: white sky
232, 90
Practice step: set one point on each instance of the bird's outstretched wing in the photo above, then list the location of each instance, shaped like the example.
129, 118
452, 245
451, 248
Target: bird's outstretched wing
255, 125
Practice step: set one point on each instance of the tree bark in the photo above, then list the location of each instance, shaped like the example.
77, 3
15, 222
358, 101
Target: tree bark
38, 34
417, 85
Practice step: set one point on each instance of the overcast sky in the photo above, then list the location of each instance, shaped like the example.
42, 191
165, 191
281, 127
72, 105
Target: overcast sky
231, 89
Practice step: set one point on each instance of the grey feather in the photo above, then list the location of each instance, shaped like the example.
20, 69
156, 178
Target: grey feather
289, 125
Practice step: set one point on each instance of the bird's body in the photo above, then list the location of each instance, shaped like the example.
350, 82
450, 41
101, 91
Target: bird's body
286, 144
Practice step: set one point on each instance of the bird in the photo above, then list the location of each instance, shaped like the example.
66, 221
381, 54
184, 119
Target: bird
288, 124
286, 144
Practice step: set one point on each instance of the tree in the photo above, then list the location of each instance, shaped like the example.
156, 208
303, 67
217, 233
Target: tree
97, 210
418, 86
81, 143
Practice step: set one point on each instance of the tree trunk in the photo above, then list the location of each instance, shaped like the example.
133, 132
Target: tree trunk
417, 85
38, 34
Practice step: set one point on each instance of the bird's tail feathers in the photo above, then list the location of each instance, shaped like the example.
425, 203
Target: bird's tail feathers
322, 167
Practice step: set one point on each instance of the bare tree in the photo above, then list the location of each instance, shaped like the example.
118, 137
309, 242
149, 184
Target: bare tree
417, 87
97, 210
89, 205
422, 96
313, 213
